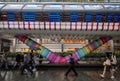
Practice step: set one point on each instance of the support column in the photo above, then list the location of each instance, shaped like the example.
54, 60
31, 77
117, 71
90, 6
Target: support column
62, 45
86, 42
112, 45
14, 45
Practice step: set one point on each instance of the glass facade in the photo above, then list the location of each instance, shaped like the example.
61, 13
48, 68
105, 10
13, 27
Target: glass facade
60, 0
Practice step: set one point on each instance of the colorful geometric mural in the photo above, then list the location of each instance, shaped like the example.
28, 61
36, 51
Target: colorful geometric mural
55, 58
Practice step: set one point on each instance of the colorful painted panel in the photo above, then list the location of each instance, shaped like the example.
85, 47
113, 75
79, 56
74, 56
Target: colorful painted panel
54, 58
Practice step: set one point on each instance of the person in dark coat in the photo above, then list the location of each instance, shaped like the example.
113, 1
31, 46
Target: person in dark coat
18, 58
25, 65
71, 61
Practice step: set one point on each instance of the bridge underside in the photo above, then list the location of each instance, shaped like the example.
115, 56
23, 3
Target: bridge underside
73, 34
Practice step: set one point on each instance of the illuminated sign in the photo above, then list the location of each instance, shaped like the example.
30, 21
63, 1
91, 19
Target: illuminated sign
93, 7
13, 6
53, 7
112, 7
33, 6
73, 7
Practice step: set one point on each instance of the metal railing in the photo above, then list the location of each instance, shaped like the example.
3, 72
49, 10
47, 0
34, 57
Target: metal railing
82, 1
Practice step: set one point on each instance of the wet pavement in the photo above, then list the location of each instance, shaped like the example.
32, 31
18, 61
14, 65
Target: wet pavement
56, 74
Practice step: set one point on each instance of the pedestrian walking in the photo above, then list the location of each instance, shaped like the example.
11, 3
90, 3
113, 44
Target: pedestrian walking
25, 65
113, 65
71, 67
18, 59
32, 64
4, 62
109, 65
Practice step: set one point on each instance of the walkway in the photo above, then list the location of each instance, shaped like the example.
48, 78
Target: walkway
56, 74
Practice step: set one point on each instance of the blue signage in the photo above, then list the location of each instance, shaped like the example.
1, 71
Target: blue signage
73, 17
109, 18
88, 18
116, 18
10, 16
29, 16
98, 18
54, 17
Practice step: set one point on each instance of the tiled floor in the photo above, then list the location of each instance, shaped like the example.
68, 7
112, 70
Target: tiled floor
54, 74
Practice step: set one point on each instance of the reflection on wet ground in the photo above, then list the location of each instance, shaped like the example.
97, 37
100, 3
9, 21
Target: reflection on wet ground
55, 75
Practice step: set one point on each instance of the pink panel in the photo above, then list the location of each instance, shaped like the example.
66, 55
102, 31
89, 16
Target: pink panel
86, 26
102, 26
44, 25
57, 59
108, 26
119, 26
76, 58
67, 25
62, 25
23, 25
32, 25
81, 25
105, 26
70, 25
116, 26
50, 26
97, 26
78, 25
26, 25
67, 58
15, 24
58, 25
63, 60
29, 25
113, 26
8, 25
37, 25
75, 25
52, 57
92, 26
